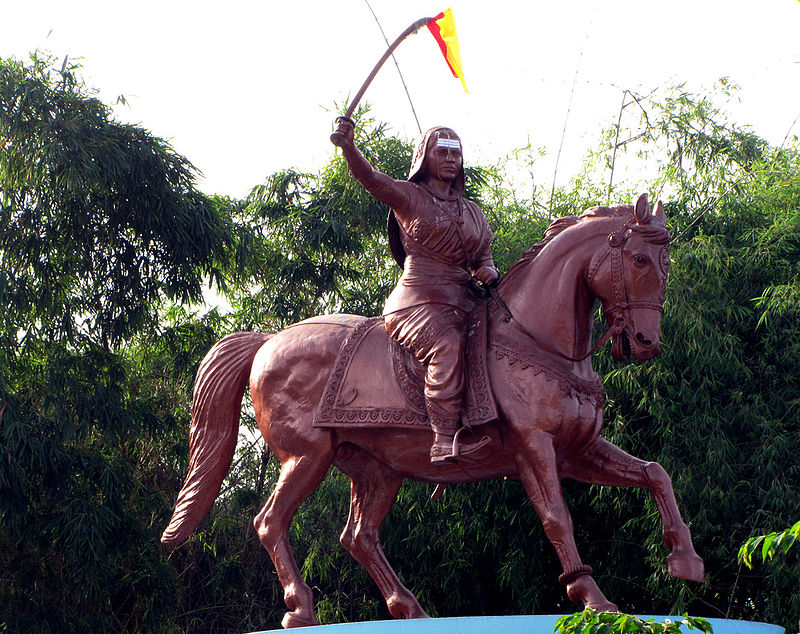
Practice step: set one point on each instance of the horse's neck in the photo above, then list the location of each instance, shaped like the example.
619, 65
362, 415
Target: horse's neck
551, 299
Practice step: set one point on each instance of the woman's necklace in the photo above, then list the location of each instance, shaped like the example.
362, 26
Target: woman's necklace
454, 212
444, 202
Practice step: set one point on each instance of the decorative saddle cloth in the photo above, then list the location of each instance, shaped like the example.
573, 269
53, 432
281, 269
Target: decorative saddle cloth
354, 398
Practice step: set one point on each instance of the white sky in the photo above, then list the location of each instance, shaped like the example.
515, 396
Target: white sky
245, 88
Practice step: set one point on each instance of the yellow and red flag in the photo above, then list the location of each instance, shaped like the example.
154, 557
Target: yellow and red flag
443, 28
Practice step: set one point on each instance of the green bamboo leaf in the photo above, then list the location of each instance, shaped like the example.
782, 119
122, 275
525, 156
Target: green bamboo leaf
766, 548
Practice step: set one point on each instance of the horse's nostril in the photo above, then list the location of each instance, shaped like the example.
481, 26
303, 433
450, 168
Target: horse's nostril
643, 340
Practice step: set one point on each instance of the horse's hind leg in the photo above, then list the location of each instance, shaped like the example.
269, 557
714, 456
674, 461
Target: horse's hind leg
606, 464
373, 490
298, 478
536, 461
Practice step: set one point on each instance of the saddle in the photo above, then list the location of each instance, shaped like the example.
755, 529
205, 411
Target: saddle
376, 382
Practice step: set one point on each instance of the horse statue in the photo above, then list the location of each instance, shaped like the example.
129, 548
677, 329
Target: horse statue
549, 404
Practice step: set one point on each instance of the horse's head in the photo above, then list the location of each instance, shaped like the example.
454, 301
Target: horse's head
629, 275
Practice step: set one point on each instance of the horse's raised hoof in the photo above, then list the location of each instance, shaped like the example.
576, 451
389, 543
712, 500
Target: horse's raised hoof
405, 606
688, 567
292, 619
584, 590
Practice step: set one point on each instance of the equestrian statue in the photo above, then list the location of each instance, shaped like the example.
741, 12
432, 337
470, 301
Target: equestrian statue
444, 388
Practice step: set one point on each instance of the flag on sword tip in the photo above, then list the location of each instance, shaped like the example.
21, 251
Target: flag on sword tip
443, 29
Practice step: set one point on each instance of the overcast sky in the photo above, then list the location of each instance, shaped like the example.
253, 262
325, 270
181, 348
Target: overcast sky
245, 88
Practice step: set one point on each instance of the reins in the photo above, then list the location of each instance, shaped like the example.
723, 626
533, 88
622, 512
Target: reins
616, 242
615, 329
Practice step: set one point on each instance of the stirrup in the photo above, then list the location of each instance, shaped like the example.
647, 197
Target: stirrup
458, 452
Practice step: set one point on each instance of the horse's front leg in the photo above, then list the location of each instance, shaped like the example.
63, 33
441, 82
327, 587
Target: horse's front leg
606, 464
536, 462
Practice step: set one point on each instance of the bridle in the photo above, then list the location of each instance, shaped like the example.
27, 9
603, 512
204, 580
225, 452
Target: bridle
617, 314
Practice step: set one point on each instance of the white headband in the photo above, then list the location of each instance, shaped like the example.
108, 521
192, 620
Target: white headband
449, 143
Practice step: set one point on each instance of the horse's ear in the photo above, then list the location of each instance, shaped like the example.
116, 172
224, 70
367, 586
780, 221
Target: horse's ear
660, 215
642, 210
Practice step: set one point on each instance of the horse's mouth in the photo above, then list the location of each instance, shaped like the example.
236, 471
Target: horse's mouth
641, 349
626, 346
621, 347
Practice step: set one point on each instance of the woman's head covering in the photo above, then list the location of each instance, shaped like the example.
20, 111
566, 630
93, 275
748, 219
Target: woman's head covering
416, 174
417, 171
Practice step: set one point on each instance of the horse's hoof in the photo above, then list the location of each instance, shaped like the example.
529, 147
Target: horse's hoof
292, 619
405, 606
584, 590
688, 567
605, 606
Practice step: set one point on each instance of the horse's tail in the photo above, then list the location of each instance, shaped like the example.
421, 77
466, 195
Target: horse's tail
216, 407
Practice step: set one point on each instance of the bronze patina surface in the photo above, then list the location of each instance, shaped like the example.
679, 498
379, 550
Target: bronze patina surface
549, 401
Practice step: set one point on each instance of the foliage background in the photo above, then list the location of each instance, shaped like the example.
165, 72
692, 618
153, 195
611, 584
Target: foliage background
108, 249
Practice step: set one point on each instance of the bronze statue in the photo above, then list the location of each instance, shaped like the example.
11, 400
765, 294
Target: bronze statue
549, 399
441, 241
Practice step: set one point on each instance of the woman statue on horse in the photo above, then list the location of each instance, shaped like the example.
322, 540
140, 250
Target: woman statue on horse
442, 242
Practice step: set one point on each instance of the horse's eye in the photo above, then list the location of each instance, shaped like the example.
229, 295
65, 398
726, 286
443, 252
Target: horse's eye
639, 261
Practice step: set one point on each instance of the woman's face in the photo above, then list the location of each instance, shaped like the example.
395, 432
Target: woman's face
443, 157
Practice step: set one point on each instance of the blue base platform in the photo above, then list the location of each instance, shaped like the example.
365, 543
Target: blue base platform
533, 624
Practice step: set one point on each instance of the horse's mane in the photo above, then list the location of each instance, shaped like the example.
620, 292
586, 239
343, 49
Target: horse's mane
656, 233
